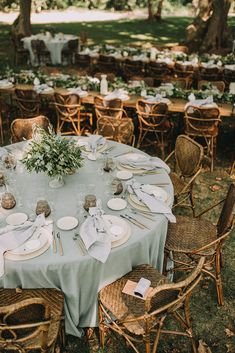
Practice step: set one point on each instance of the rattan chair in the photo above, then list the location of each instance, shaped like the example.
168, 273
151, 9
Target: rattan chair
31, 320
203, 123
112, 108
188, 157
27, 102
159, 71
70, 119
138, 320
194, 237
22, 129
180, 82
220, 85
154, 123
209, 73
184, 71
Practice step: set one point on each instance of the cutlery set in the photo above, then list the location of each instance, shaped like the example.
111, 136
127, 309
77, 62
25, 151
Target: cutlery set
78, 240
54, 243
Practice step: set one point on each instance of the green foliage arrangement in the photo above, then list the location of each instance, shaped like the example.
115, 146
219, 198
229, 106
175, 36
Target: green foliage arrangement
52, 154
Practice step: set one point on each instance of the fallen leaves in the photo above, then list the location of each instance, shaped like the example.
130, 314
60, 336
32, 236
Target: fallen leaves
203, 347
229, 333
215, 187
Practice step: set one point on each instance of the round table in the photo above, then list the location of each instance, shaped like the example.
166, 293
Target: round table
81, 277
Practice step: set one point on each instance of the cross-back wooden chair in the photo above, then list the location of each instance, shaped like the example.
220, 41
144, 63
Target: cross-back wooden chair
181, 82
195, 237
138, 320
188, 156
120, 130
106, 64
133, 68
186, 71
28, 102
154, 122
112, 108
201, 122
31, 320
209, 73
22, 129
70, 119
40, 51
158, 70
220, 85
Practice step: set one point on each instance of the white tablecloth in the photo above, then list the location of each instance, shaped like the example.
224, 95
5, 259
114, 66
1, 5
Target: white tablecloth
81, 277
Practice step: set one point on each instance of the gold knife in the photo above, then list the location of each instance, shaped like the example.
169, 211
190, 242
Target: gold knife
132, 221
60, 244
54, 242
136, 220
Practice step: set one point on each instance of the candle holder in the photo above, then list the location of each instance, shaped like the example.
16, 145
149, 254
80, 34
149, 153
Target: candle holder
8, 201
90, 201
43, 207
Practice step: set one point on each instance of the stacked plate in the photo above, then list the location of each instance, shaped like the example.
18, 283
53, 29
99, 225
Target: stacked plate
34, 247
117, 228
153, 190
131, 158
84, 145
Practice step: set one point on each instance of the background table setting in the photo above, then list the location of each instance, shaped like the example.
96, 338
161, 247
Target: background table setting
109, 216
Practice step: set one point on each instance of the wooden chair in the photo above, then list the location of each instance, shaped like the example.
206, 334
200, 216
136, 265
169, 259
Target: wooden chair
133, 68
201, 122
21, 55
157, 70
184, 71
194, 237
22, 129
69, 53
188, 157
154, 123
70, 119
40, 51
138, 320
106, 64
112, 108
209, 73
83, 62
180, 48
120, 130
220, 85
28, 102
31, 320
228, 76
181, 82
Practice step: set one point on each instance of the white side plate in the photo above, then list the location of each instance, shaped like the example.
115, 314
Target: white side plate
15, 219
67, 223
117, 204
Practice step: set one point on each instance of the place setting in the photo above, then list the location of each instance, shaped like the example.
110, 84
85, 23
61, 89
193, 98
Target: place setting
92, 146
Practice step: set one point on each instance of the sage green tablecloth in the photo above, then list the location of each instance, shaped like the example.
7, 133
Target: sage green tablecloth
81, 277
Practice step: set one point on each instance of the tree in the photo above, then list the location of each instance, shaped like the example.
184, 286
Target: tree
209, 31
152, 14
22, 25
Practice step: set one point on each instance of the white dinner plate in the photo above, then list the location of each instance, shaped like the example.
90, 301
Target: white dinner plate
155, 191
124, 175
117, 204
67, 223
127, 168
15, 219
136, 157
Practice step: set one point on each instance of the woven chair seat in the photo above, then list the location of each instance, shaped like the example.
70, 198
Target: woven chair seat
188, 234
55, 300
178, 184
120, 304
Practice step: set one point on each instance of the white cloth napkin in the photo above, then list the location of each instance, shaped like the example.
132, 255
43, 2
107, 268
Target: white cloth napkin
149, 199
207, 102
157, 99
11, 237
5, 83
95, 237
92, 141
78, 90
230, 67
119, 93
43, 88
148, 163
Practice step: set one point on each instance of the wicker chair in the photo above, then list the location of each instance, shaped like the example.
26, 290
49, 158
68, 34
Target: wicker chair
203, 123
188, 157
137, 320
28, 102
209, 73
153, 120
40, 51
220, 85
31, 320
106, 64
181, 82
112, 108
70, 119
157, 70
22, 129
184, 71
194, 237
133, 68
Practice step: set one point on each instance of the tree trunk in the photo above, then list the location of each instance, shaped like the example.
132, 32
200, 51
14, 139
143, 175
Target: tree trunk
209, 32
150, 10
22, 25
158, 14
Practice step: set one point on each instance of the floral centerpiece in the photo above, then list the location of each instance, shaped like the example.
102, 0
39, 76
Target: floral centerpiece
52, 154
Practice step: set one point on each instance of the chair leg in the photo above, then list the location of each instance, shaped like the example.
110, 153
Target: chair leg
101, 328
218, 281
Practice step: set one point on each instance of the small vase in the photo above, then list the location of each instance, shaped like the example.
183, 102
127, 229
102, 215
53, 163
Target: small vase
56, 182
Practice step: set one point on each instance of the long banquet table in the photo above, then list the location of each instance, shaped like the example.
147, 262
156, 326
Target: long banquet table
177, 105
81, 277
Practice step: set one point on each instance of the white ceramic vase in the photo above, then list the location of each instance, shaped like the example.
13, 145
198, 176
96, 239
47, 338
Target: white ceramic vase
56, 182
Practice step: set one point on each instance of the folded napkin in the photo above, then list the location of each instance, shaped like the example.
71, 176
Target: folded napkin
150, 199
11, 237
78, 90
146, 163
210, 64
230, 67
119, 93
5, 83
43, 88
207, 102
157, 99
95, 237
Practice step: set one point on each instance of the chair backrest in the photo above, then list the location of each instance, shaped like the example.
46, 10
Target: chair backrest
28, 102
209, 73
181, 82
73, 45
201, 120
112, 108
120, 130
132, 67
23, 322
154, 115
226, 219
188, 155
220, 85
22, 129
83, 60
38, 46
173, 294
158, 68
67, 105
